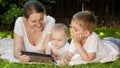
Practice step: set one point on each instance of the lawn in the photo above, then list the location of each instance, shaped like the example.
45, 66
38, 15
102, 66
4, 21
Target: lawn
103, 32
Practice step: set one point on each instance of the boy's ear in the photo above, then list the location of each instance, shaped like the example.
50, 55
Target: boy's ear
87, 33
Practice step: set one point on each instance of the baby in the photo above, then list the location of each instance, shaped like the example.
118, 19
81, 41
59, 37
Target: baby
58, 44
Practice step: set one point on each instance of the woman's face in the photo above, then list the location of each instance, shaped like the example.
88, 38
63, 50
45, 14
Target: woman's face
36, 21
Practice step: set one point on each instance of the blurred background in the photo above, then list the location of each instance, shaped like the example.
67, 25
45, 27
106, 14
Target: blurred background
107, 11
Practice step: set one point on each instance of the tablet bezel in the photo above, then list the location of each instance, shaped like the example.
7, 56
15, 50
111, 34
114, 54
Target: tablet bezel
38, 57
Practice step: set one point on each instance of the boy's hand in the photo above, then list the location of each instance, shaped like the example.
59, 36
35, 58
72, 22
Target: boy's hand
78, 38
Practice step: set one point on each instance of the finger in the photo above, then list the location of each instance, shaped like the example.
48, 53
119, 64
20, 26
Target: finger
80, 36
62, 62
24, 58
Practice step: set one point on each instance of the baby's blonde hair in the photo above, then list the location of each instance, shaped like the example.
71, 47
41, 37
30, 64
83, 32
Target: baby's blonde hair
60, 27
88, 19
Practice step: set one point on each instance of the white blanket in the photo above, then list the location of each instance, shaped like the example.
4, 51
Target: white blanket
6, 50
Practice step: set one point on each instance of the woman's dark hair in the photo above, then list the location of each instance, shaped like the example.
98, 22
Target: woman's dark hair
31, 7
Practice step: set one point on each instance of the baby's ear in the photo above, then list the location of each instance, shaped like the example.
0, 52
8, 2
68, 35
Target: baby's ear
87, 33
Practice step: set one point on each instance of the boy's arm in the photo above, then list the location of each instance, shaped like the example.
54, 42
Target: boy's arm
79, 41
85, 56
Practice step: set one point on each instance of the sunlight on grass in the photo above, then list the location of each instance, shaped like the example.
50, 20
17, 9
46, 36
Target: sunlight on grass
101, 34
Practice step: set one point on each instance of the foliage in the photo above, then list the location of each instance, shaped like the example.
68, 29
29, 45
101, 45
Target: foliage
10, 16
108, 32
10, 10
50, 1
4, 34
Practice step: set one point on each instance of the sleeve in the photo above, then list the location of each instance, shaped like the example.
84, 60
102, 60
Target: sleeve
18, 26
50, 23
72, 48
92, 44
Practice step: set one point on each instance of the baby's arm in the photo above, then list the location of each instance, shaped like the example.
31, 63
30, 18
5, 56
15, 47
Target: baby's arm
66, 58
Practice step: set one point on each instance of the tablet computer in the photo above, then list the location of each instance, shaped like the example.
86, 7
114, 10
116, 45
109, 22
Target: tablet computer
38, 57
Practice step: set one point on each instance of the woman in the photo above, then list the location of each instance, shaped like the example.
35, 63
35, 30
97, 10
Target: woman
32, 31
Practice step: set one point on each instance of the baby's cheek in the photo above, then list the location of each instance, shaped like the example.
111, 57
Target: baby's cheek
72, 36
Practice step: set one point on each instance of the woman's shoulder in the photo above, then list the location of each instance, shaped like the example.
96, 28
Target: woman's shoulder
50, 19
19, 20
50, 22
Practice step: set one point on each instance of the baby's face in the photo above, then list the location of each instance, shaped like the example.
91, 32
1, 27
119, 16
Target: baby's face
59, 39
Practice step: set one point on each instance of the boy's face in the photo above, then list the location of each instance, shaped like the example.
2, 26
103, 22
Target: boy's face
58, 39
76, 29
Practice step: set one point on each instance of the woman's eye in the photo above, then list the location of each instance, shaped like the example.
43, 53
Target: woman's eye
41, 19
33, 21
76, 30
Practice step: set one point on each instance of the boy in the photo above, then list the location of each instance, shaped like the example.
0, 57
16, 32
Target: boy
86, 46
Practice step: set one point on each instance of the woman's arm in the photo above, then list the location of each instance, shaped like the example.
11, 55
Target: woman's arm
18, 46
48, 50
45, 42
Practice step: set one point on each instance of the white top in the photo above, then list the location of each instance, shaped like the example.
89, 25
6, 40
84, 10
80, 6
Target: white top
105, 50
20, 30
62, 50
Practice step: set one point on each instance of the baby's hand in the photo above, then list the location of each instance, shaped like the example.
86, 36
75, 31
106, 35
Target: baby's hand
63, 62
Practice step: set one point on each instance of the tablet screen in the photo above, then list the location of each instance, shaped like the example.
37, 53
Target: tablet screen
38, 57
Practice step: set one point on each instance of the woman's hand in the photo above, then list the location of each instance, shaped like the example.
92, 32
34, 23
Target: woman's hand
24, 58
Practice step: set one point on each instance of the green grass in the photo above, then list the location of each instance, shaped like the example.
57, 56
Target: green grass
4, 34
108, 32
102, 32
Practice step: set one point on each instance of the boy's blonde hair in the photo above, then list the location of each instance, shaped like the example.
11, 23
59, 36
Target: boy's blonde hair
88, 19
60, 27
